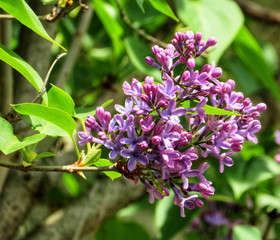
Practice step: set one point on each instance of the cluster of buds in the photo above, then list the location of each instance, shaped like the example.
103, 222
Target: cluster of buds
163, 128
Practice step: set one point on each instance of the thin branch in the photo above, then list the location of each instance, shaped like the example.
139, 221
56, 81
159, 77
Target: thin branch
47, 77
56, 13
259, 12
67, 168
140, 32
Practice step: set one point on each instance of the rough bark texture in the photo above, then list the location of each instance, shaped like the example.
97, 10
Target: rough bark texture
105, 200
23, 214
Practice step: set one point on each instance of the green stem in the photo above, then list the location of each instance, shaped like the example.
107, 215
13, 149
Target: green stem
76, 147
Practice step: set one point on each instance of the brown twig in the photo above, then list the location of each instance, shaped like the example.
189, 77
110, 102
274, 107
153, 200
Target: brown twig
140, 32
67, 168
259, 12
47, 77
56, 13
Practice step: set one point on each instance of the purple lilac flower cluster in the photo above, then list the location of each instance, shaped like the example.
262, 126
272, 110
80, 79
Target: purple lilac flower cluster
147, 134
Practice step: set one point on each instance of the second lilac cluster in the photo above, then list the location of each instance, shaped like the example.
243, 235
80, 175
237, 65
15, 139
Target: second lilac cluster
163, 128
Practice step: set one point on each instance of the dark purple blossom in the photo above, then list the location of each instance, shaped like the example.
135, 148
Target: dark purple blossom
135, 155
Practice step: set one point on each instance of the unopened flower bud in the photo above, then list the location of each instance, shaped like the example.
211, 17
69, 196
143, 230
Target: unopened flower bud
186, 76
180, 36
206, 68
190, 47
143, 145
226, 88
156, 49
189, 35
191, 63
214, 89
226, 126
255, 115
102, 136
261, 107
90, 121
231, 83
202, 187
217, 72
145, 97
156, 140
236, 147
163, 103
174, 42
246, 102
198, 203
211, 42
150, 61
198, 36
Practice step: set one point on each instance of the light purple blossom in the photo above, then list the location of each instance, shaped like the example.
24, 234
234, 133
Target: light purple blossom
169, 89
147, 139
172, 113
127, 109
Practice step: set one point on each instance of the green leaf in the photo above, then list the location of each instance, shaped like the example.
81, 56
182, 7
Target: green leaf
168, 220
92, 157
53, 115
23, 13
244, 175
10, 143
57, 98
241, 232
122, 230
82, 113
140, 4
156, 184
242, 76
45, 127
21, 66
104, 163
48, 2
267, 200
250, 53
222, 20
44, 155
163, 7
210, 110
106, 13
71, 184
26, 164
137, 52
161, 211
